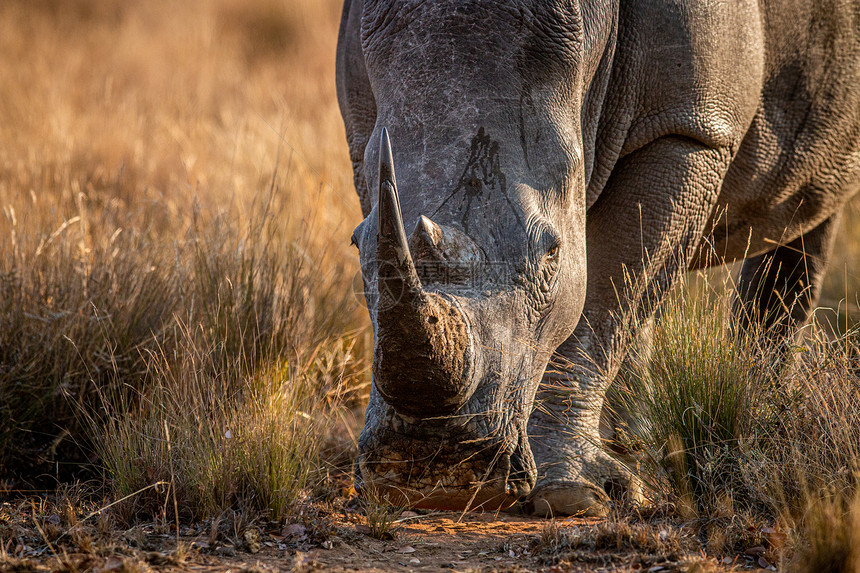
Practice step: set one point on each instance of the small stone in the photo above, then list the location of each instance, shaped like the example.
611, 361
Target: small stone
294, 530
415, 561
756, 551
406, 549
252, 540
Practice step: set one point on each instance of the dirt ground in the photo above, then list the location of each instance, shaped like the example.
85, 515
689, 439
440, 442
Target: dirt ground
342, 541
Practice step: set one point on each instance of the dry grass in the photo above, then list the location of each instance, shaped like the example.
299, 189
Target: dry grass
382, 516
175, 295
749, 435
831, 531
841, 289
174, 257
641, 545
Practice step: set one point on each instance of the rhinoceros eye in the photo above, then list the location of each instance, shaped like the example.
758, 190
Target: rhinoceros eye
552, 253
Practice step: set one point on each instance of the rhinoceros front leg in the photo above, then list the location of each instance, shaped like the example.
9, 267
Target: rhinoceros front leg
650, 217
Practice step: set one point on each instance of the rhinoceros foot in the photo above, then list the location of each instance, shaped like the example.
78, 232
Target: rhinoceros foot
568, 498
588, 491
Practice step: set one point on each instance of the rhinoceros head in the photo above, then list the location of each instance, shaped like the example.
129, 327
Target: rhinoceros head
473, 256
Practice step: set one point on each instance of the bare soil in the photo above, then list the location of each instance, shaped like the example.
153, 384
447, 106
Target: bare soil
341, 541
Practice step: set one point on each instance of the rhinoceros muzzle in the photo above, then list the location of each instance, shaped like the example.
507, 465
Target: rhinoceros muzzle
424, 356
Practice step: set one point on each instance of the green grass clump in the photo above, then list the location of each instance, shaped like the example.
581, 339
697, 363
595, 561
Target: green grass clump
700, 392
382, 515
741, 422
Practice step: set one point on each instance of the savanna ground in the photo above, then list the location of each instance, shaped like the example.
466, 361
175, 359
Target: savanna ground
183, 357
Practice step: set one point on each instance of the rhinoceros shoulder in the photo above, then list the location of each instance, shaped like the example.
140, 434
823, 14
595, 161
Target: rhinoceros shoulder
692, 68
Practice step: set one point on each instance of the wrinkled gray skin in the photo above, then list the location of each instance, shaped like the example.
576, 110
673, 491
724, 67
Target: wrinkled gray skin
559, 163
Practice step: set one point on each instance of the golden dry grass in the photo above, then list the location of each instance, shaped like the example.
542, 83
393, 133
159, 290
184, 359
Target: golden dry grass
177, 201
171, 102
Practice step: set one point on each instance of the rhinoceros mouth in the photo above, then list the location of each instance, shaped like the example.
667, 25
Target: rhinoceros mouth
457, 472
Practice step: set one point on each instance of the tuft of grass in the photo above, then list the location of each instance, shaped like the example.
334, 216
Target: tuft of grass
75, 314
252, 446
233, 407
550, 538
700, 392
381, 514
740, 426
828, 537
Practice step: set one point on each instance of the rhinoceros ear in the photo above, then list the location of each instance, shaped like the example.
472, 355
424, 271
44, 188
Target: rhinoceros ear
397, 276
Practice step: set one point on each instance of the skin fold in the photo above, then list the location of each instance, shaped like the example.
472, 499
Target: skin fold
534, 177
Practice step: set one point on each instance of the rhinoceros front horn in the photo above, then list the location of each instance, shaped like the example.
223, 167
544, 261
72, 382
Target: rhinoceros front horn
423, 358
